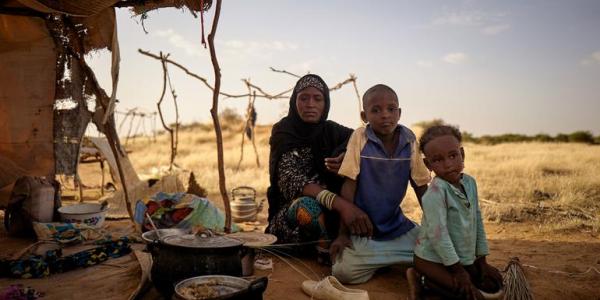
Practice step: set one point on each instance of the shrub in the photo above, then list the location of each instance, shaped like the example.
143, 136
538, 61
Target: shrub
561, 137
542, 137
426, 124
581, 137
469, 137
230, 119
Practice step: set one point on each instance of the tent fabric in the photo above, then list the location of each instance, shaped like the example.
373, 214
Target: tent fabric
70, 124
101, 30
9, 171
194, 5
69, 7
27, 74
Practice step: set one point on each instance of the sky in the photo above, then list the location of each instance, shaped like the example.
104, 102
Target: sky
489, 67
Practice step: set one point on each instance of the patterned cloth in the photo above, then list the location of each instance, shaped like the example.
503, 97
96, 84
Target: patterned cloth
19, 292
180, 210
310, 81
295, 171
65, 233
297, 219
37, 266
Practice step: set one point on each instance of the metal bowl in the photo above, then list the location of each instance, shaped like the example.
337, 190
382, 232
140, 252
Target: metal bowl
222, 287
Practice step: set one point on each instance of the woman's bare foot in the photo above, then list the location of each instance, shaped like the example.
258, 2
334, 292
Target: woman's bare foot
414, 284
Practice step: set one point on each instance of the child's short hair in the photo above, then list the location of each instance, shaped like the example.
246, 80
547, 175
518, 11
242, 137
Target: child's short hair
374, 89
437, 131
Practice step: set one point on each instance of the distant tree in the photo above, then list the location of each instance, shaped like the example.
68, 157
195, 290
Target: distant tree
542, 137
230, 115
426, 124
469, 137
230, 119
488, 140
561, 137
511, 138
597, 140
581, 137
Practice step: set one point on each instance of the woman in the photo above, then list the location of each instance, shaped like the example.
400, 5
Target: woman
304, 183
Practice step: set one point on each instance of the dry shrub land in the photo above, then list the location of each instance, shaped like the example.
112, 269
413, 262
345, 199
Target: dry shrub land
555, 185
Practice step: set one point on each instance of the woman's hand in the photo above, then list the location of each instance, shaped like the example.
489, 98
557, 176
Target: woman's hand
356, 220
333, 164
336, 249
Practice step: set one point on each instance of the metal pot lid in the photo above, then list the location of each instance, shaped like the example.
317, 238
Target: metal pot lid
195, 241
254, 239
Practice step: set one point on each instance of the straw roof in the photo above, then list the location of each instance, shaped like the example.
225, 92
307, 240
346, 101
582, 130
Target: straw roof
69, 7
80, 8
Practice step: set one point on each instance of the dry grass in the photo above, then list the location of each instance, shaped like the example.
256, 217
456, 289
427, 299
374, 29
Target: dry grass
555, 185
197, 153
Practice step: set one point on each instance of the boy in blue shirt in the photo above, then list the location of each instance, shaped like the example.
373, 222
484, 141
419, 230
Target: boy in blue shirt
381, 159
452, 245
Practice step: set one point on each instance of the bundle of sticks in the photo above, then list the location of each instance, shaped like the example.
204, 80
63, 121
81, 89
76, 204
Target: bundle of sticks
516, 286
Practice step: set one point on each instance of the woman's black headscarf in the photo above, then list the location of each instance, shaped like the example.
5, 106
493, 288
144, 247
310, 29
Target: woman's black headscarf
325, 139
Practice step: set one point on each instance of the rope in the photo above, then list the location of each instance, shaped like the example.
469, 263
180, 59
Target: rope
297, 260
293, 244
288, 263
589, 269
384, 158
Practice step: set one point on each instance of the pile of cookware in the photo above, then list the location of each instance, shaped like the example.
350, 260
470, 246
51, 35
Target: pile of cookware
211, 262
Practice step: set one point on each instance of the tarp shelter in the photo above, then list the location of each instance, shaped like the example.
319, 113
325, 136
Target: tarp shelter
48, 94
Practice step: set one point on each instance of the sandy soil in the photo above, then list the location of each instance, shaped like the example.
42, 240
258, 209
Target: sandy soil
555, 266
558, 265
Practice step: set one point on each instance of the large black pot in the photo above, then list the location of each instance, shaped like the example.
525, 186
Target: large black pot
179, 257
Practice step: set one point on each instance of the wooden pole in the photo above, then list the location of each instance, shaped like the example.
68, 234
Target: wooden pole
214, 112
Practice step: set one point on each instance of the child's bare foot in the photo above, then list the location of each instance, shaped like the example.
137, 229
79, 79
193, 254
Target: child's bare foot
414, 284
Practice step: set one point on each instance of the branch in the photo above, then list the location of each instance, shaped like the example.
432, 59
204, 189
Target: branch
175, 139
265, 94
284, 72
251, 112
339, 85
245, 126
205, 81
214, 113
353, 77
162, 95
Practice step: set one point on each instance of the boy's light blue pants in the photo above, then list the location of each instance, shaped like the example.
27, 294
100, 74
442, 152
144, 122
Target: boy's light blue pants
358, 265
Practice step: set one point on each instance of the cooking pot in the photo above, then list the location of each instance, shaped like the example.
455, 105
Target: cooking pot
176, 257
215, 287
